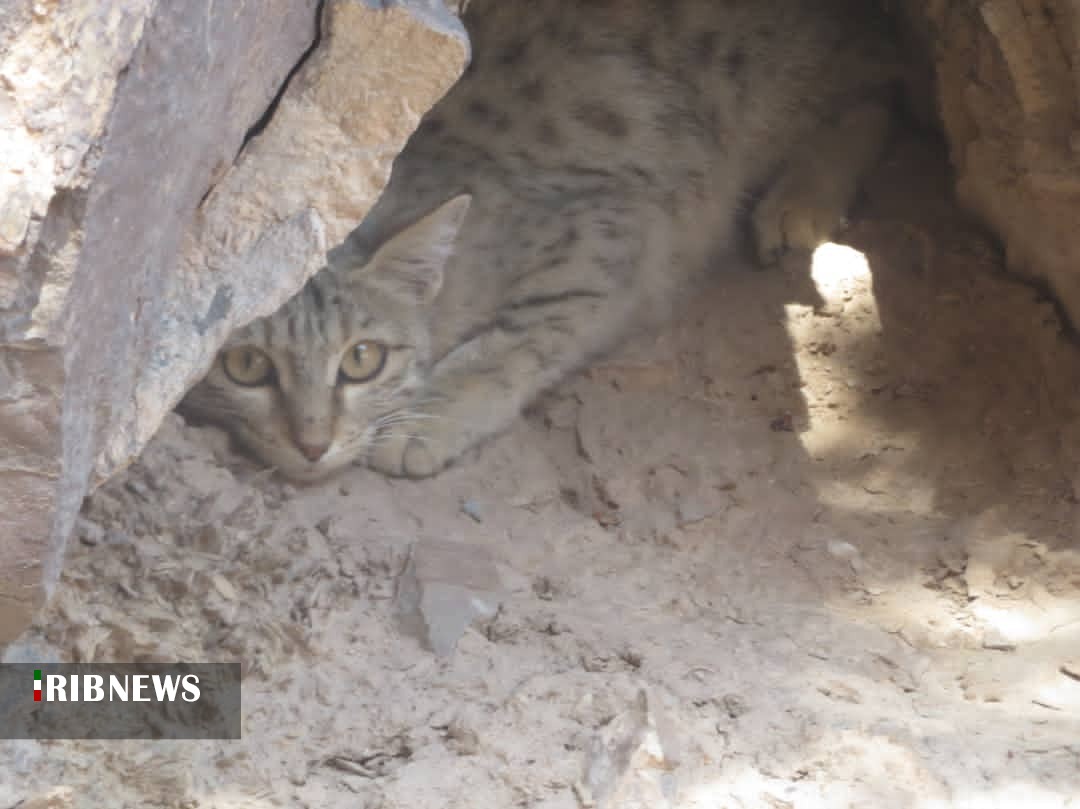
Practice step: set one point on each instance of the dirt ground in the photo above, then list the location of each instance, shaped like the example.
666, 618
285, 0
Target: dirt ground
826, 525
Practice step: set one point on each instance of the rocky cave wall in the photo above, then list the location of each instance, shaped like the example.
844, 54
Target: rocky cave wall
1007, 76
167, 176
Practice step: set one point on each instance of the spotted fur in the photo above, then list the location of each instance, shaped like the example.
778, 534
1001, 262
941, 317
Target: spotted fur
594, 157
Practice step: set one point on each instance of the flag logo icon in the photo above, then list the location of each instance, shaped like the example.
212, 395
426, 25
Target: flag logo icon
37, 685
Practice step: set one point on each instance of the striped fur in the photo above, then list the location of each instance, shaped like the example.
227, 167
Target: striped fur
604, 151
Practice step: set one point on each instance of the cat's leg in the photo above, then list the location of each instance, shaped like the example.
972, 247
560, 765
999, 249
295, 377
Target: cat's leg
808, 201
550, 324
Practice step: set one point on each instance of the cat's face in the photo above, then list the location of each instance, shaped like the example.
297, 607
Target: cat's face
307, 389
311, 388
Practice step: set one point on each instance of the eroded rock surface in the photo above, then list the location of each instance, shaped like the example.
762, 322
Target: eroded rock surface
1008, 85
142, 217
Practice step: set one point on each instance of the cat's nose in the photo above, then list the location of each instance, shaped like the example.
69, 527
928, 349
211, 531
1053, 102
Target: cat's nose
313, 451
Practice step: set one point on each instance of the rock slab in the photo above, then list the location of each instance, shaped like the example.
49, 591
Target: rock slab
144, 215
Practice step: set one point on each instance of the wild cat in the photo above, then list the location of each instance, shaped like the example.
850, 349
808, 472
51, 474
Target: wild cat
594, 157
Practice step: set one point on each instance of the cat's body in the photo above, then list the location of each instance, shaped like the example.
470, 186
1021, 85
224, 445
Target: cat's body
594, 157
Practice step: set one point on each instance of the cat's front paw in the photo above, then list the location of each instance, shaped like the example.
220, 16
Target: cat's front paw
796, 216
405, 456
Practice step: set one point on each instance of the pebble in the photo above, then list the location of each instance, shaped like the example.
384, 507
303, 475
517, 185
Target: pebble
842, 550
472, 509
629, 765
90, 533
996, 641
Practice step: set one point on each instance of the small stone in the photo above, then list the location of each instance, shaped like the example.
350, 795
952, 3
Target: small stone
89, 533
298, 773
461, 738
630, 763
834, 689
995, 640
223, 586
472, 509
16, 210
842, 550
115, 537
444, 588
138, 488
607, 518
693, 509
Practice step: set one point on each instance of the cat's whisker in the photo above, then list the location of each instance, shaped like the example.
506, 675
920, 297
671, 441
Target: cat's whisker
382, 440
405, 418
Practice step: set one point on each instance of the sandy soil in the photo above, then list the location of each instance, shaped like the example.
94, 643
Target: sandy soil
827, 524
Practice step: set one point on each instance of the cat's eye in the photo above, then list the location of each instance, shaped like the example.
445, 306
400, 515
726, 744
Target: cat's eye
247, 366
363, 361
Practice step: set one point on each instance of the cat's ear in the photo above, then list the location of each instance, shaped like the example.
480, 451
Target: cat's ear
410, 264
